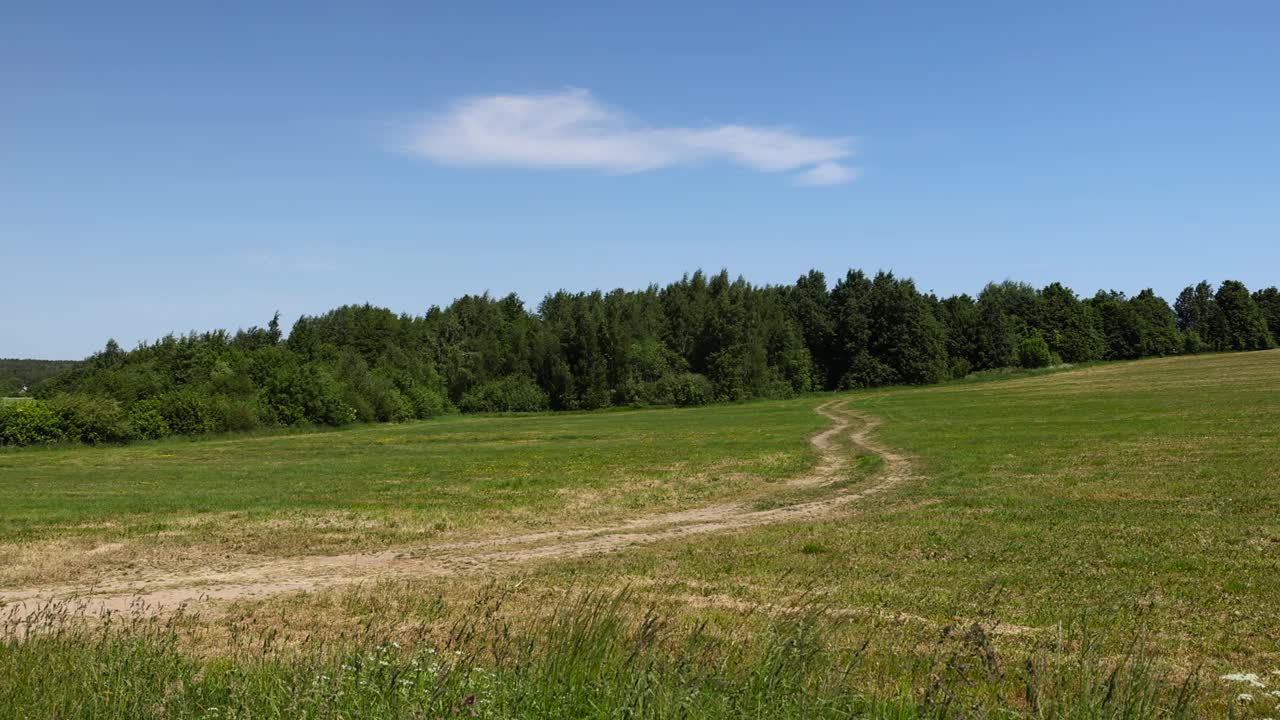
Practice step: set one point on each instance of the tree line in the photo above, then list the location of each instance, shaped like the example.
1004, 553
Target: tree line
705, 338
17, 374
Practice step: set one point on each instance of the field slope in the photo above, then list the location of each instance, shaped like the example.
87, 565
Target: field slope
1135, 503
1146, 490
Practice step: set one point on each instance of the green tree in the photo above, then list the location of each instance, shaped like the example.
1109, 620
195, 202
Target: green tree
1158, 327
1121, 325
1268, 301
1069, 328
29, 423
959, 318
1005, 312
1243, 325
810, 306
1033, 351
904, 335
1198, 315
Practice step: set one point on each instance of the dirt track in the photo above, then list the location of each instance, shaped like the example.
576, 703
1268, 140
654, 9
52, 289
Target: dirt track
163, 592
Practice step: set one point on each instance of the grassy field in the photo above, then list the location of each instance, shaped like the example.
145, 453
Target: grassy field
1145, 490
1102, 542
81, 514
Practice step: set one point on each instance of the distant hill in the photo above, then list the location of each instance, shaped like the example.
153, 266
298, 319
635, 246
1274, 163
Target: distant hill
15, 373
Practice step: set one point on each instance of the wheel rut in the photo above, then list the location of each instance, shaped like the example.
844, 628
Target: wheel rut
167, 592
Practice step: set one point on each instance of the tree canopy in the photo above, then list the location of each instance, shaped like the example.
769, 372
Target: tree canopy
704, 338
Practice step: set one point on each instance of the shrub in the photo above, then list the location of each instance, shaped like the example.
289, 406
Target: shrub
90, 419
235, 415
726, 370
147, 421
795, 367
1192, 343
866, 371
361, 406
28, 423
960, 367
293, 396
514, 393
321, 400
425, 402
388, 404
187, 413
779, 388
391, 406
650, 360
688, 389
640, 393
1033, 352
652, 371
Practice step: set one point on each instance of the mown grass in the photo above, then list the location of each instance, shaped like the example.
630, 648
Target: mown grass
1141, 494
67, 513
1096, 543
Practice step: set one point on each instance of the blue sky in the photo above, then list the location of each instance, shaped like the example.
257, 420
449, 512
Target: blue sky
168, 168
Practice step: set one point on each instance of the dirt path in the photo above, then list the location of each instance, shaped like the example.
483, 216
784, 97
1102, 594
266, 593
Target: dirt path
165, 592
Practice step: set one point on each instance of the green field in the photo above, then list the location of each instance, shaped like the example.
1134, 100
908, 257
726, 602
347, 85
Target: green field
1149, 489
81, 514
1100, 542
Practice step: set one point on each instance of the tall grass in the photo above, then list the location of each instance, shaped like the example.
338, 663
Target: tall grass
593, 655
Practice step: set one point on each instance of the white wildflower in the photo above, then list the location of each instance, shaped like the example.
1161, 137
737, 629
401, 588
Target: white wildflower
1244, 697
1251, 678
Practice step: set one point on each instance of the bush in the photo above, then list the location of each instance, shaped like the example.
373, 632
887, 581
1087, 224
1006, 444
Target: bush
635, 392
726, 370
866, 371
597, 396
361, 406
426, 402
779, 389
1192, 343
147, 421
235, 415
293, 396
90, 419
514, 393
388, 404
640, 393
391, 406
1034, 352
688, 389
960, 367
187, 413
28, 423
650, 360
795, 367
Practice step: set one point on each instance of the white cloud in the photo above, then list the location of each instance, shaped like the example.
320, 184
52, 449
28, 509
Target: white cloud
571, 130
827, 173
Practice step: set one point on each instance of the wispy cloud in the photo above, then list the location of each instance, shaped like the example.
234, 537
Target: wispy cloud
571, 130
827, 173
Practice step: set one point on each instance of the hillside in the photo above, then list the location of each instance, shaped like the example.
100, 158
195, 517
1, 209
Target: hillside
17, 373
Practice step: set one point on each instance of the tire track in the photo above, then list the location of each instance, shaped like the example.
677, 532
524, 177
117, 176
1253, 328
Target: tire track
158, 594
